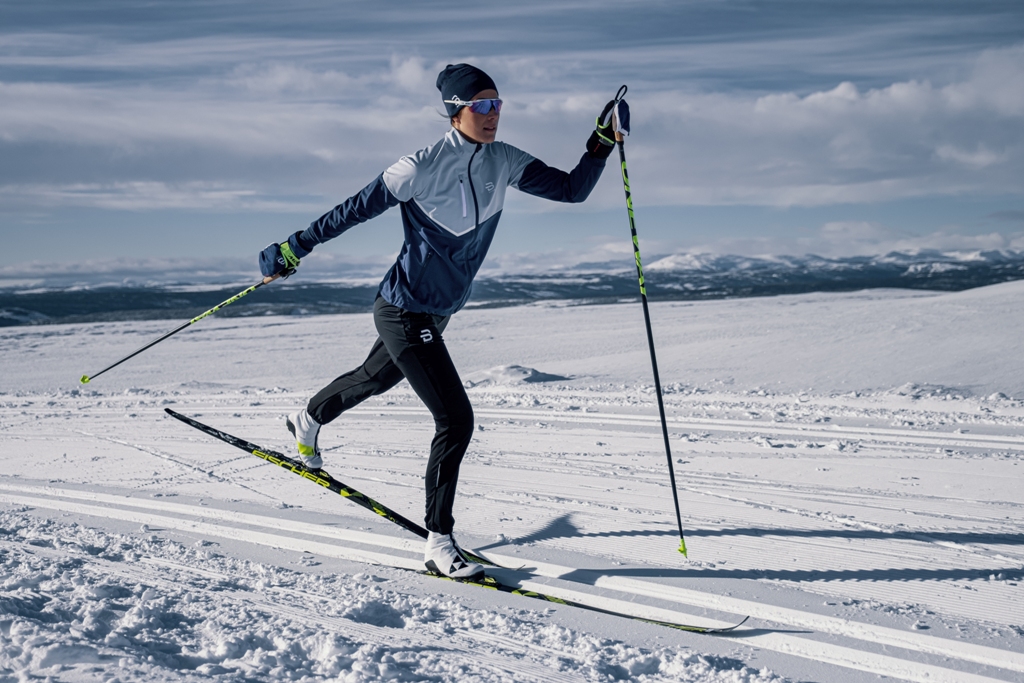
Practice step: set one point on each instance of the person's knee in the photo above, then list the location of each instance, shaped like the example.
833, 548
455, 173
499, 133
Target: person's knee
387, 378
465, 425
457, 425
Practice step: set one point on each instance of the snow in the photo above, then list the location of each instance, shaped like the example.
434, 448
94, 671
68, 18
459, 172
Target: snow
848, 470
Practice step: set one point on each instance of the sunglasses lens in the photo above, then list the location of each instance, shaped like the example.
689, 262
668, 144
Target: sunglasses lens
485, 106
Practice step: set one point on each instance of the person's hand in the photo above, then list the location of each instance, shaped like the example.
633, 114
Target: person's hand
610, 120
278, 258
604, 126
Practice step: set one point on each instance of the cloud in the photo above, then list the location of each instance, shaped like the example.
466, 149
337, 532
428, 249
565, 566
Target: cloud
859, 231
908, 139
141, 196
862, 238
1008, 216
596, 250
195, 270
291, 109
278, 79
412, 74
272, 104
978, 158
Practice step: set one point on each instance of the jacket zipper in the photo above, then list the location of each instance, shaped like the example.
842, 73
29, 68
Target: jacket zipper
423, 269
462, 190
476, 207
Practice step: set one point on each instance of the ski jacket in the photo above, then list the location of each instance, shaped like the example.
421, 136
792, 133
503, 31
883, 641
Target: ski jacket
451, 194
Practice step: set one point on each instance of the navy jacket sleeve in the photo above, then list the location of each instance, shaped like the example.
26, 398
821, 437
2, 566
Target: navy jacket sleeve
371, 201
550, 183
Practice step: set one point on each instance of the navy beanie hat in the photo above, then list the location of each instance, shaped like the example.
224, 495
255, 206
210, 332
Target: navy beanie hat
462, 81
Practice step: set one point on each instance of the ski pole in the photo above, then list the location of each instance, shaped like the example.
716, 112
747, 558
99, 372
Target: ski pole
88, 378
647, 320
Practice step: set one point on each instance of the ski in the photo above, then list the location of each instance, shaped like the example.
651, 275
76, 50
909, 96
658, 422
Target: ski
494, 584
320, 477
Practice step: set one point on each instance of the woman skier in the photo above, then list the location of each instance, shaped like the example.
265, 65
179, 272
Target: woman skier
451, 194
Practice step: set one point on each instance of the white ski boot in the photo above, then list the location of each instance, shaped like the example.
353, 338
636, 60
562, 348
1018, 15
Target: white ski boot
442, 555
305, 430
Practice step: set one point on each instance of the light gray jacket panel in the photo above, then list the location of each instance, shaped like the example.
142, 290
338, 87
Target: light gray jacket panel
454, 193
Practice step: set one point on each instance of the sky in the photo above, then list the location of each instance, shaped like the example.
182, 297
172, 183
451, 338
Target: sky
187, 131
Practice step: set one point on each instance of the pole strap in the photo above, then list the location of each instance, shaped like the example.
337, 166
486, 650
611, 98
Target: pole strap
291, 261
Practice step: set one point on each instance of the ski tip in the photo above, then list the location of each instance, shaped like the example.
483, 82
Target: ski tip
85, 379
682, 546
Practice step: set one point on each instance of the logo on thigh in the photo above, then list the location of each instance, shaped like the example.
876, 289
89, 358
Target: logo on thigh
426, 335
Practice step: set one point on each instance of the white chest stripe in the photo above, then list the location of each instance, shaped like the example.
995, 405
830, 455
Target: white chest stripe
432, 217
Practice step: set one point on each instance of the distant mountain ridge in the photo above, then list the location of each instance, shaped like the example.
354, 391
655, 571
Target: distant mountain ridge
76, 297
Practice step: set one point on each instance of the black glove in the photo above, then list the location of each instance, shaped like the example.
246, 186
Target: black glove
602, 140
277, 258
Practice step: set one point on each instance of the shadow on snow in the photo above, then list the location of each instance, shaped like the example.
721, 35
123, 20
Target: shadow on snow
563, 527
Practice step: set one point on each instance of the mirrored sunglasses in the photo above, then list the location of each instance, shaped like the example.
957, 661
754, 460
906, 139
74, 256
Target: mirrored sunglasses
478, 106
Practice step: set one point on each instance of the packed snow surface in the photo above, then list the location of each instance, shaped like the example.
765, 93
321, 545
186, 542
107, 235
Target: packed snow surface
848, 470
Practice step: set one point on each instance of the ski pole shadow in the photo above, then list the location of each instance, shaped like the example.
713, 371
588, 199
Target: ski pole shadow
559, 527
983, 537
894, 574
563, 527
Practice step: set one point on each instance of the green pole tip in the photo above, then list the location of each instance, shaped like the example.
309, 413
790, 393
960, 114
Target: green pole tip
85, 379
682, 547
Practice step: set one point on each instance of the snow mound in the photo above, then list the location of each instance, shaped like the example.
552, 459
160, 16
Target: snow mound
510, 374
917, 391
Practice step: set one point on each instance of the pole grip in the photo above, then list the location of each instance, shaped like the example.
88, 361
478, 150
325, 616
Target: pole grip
615, 123
284, 273
615, 127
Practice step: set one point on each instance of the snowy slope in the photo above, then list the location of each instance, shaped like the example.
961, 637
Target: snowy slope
848, 469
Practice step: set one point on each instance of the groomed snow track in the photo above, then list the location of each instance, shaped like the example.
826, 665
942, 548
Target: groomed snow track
908, 656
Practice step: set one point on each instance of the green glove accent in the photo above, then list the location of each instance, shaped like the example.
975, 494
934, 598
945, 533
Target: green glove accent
290, 259
603, 126
605, 133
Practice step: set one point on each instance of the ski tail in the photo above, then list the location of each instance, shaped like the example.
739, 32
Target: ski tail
494, 584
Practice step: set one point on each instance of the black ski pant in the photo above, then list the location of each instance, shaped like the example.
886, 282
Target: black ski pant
410, 346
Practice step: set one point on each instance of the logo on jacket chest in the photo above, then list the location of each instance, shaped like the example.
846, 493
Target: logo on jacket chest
489, 186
